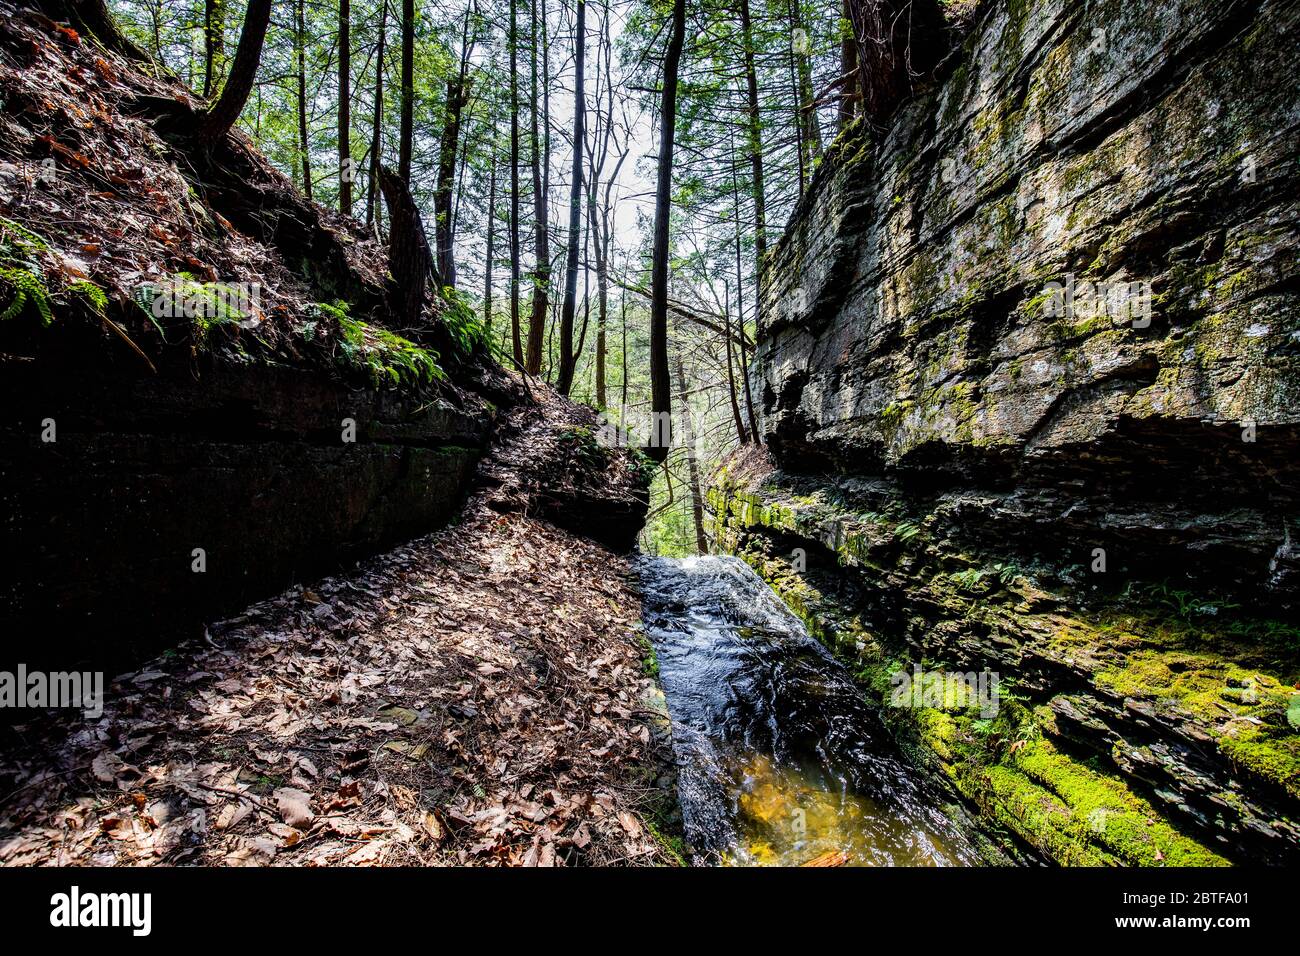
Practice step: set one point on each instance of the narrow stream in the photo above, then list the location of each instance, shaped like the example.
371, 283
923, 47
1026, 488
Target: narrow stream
780, 759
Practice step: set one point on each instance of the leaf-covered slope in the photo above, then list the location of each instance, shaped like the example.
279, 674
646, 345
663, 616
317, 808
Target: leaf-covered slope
111, 216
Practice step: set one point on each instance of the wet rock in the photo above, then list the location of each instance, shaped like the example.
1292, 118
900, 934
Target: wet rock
1029, 385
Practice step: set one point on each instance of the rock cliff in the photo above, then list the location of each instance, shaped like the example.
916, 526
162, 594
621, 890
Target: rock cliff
204, 398
1029, 363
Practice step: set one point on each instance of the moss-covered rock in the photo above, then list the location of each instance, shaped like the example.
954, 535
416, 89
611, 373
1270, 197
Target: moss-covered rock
1127, 734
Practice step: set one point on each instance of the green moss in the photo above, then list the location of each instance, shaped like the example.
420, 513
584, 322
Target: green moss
1125, 824
1267, 753
387, 358
1075, 812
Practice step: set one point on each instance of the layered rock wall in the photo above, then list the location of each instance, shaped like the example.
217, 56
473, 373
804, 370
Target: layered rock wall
1028, 365
910, 325
274, 474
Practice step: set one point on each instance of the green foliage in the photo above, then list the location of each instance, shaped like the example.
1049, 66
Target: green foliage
970, 578
21, 273
645, 467
1183, 605
906, 531
1005, 572
387, 358
1225, 618
581, 444
206, 304
95, 297
27, 286
650, 662
463, 322
670, 530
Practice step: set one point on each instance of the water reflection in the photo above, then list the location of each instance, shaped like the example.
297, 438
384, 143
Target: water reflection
781, 760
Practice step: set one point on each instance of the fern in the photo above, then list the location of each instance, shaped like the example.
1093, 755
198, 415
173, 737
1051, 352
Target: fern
388, 358
93, 294
906, 531
969, 578
462, 321
28, 287
13, 235
20, 271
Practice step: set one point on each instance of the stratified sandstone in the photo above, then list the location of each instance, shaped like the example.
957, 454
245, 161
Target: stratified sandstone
1096, 502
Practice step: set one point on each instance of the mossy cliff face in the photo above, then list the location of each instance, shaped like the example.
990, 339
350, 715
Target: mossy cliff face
1127, 732
909, 324
983, 470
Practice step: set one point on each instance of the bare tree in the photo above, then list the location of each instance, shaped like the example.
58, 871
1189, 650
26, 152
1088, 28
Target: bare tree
568, 360
345, 107
216, 122
660, 397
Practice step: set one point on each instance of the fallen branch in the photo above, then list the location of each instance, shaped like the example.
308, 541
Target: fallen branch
688, 314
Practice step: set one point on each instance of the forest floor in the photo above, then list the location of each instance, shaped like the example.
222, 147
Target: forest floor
478, 696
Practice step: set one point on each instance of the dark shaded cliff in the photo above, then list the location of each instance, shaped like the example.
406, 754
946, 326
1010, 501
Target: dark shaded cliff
1029, 365
203, 400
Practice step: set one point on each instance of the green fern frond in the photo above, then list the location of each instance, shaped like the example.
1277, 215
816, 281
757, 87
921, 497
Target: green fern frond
29, 287
93, 294
14, 236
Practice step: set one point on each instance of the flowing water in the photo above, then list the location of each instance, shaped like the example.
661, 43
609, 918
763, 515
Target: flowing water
780, 758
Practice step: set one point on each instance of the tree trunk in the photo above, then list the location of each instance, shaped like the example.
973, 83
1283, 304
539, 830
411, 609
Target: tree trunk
514, 185
623, 310
741, 434
848, 65
740, 309
407, 131
300, 51
442, 196
410, 263
567, 357
812, 128
602, 310
92, 18
800, 143
376, 141
214, 36
896, 40
491, 243
346, 174
541, 221
444, 216
602, 230
692, 465
216, 122
660, 397
755, 138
